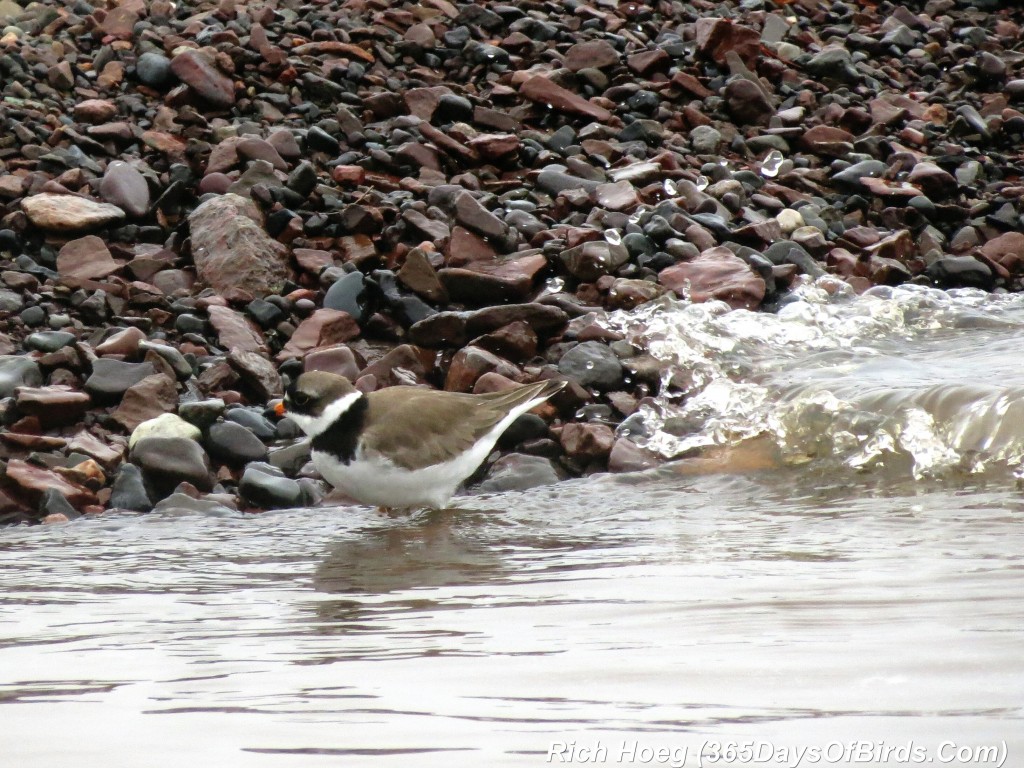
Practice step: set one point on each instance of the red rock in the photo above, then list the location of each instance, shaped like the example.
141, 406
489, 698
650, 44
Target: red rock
628, 294
357, 249
716, 274
936, 183
587, 440
35, 480
325, 327
235, 331
543, 91
495, 146
257, 373
422, 102
124, 185
86, 258
111, 75
465, 247
418, 275
886, 188
53, 406
348, 174
151, 397
313, 260
618, 196
826, 140
717, 37
627, 456
515, 341
108, 455
95, 111
252, 148
199, 72
470, 363
648, 61
747, 103
1006, 250
124, 343
339, 359
231, 250
598, 54
120, 22
509, 279
68, 213
405, 364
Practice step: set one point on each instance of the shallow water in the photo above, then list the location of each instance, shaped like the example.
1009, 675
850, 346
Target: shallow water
817, 604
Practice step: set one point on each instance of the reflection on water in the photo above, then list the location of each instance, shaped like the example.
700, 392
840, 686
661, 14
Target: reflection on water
663, 607
724, 598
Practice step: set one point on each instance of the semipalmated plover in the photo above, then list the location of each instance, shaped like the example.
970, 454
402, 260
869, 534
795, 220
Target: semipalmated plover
402, 446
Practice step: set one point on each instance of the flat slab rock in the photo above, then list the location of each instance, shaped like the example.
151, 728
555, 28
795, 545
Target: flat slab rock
69, 213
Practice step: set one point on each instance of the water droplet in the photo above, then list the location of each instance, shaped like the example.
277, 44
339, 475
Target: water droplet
703, 182
670, 188
612, 236
635, 218
555, 284
490, 55
589, 366
771, 164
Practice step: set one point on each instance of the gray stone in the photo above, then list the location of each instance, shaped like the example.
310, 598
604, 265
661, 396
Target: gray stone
129, 492
252, 420
17, 371
49, 341
154, 69
518, 472
202, 413
168, 461
786, 252
111, 378
181, 367
262, 489
234, 445
10, 302
705, 139
592, 364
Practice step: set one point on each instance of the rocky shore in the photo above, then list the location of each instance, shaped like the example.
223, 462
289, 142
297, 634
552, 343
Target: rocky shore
200, 200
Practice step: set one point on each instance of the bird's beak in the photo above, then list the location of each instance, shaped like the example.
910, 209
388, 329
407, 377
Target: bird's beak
279, 409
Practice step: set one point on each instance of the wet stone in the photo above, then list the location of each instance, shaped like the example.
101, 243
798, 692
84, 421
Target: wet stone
518, 472
17, 371
49, 341
110, 379
168, 461
253, 420
149, 398
233, 444
129, 490
269, 491
124, 186
154, 69
348, 294
69, 213
592, 364
201, 413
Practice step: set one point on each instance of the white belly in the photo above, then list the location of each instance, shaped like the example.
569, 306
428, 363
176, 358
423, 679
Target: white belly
380, 483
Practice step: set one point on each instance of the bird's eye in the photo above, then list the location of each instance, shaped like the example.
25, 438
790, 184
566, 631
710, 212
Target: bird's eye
300, 398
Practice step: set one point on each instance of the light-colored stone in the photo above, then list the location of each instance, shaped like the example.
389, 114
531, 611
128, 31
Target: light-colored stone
69, 213
165, 425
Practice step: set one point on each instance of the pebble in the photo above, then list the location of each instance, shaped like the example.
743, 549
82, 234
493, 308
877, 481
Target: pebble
265, 489
69, 213
168, 461
17, 371
165, 426
592, 364
518, 472
233, 444
129, 490
110, 379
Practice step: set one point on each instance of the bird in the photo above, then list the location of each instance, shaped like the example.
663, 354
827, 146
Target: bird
402, 447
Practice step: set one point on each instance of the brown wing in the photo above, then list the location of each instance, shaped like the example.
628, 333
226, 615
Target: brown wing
418, 427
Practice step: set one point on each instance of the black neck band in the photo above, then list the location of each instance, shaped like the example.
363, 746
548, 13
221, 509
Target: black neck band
341, 437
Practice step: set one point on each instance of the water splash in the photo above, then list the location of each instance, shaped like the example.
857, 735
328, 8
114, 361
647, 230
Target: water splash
881, 380
771, 164
612, 236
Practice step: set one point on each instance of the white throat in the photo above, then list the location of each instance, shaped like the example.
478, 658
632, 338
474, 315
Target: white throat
315, 425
